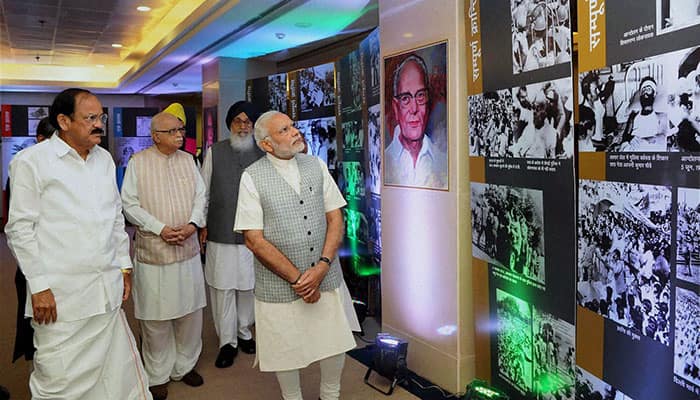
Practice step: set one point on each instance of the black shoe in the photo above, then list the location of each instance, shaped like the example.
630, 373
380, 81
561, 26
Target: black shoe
226, 356
247, 346
159, 392
192, 378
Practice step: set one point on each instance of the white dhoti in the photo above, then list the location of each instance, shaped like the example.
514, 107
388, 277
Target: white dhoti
231, 279
293, 335
168, 301
92, 358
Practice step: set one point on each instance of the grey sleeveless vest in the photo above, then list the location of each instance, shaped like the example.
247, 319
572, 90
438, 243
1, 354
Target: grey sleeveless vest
227, 167
294, 223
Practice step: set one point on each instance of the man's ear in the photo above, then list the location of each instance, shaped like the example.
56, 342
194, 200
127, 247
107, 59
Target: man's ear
63, 121
265, 144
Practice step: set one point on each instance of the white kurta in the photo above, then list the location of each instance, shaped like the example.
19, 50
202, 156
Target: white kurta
228, 266
164, 292
293, 335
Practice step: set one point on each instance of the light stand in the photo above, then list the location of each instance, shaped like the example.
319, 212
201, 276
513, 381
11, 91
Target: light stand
389, 361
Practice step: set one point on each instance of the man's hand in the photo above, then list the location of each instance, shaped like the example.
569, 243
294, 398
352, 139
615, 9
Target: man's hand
313, 297
186, 231
202, 239
44, 307
311, 279
127, 287
170, 235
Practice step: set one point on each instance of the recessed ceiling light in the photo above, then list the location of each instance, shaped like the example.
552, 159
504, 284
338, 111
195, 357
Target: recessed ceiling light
116, 45
303, 24
408, 35
143, 8
99, 65
280, 35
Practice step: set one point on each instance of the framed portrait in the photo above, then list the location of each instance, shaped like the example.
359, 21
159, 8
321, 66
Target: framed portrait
415, 125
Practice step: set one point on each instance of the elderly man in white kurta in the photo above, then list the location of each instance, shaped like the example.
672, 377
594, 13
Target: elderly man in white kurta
289, 212
229, 266
66, 231
163, 195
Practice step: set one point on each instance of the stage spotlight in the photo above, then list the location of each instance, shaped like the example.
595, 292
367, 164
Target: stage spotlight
480, 390
388, 360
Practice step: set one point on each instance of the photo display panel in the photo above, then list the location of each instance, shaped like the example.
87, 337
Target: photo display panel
522, 185
638, 141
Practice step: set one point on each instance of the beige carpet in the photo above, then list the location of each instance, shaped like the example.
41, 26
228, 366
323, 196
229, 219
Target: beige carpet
240, 382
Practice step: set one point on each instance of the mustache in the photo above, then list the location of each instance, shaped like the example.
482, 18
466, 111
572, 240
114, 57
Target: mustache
98, 131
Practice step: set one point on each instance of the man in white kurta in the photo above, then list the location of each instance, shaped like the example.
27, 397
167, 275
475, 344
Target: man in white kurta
163, 195
66, 231
299, 308
229, 264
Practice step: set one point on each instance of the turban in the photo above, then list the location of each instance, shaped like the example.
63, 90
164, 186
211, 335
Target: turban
177, 110
241, 107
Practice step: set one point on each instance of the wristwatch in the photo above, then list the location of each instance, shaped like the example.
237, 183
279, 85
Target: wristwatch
326, 260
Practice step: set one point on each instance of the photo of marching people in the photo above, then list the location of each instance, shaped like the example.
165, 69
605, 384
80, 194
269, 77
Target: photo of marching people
277, 92
589, 387
686, 363
688, 236
490, 123
649, 105
542, 120
514, 341
375, 149
672, 15
508, 228
624, 232
541, 33
354, 180
319, 135
317, 88
554, 356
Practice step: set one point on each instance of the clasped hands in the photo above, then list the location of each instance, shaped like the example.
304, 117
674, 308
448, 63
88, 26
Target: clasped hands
176, 236
307, 285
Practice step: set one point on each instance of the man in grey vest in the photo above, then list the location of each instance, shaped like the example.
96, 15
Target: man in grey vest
229, 266
289, 213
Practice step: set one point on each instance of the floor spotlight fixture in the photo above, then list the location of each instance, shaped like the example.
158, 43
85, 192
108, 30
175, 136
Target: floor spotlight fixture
480, 390
388, 360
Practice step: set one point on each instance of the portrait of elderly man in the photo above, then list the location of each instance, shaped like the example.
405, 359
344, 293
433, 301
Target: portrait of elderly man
412, 157
163, 196
289, 211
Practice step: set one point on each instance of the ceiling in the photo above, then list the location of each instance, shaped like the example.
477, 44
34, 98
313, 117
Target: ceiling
47, 45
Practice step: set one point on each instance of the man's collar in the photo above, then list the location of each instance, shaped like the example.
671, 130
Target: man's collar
425, 149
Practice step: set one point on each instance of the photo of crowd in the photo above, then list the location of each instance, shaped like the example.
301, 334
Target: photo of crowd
589, 387
624, 232
375, 224
672, 15
686, 363
355, 225
354, 180
508, 228
541, 33
353, 136
688, 236
277, 92
491, 123
319, 135
554, 355
648, 105
375, 149
514, 340
317, 86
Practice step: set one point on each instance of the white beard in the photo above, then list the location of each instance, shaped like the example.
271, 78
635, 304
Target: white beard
242, 143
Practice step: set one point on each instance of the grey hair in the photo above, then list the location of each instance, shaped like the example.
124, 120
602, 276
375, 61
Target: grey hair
260, 130
157, 118
397, 72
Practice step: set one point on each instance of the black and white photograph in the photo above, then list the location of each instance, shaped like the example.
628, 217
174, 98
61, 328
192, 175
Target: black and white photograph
688, 236
541, 33
356, 227
514, 340
375, 224
554, 355
672, 15
589, 387
375, 149
354, 180
508, 228
34, 115
143, 126
350, 82
353, 136
277, 92
370, 55
648, 105
317, 90
12, 145
686, 361
319, 135
491, 123
624, 248
542, 120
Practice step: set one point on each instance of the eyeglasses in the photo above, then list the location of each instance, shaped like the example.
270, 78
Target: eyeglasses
421, 97
93, 118
241, 122
172, 131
